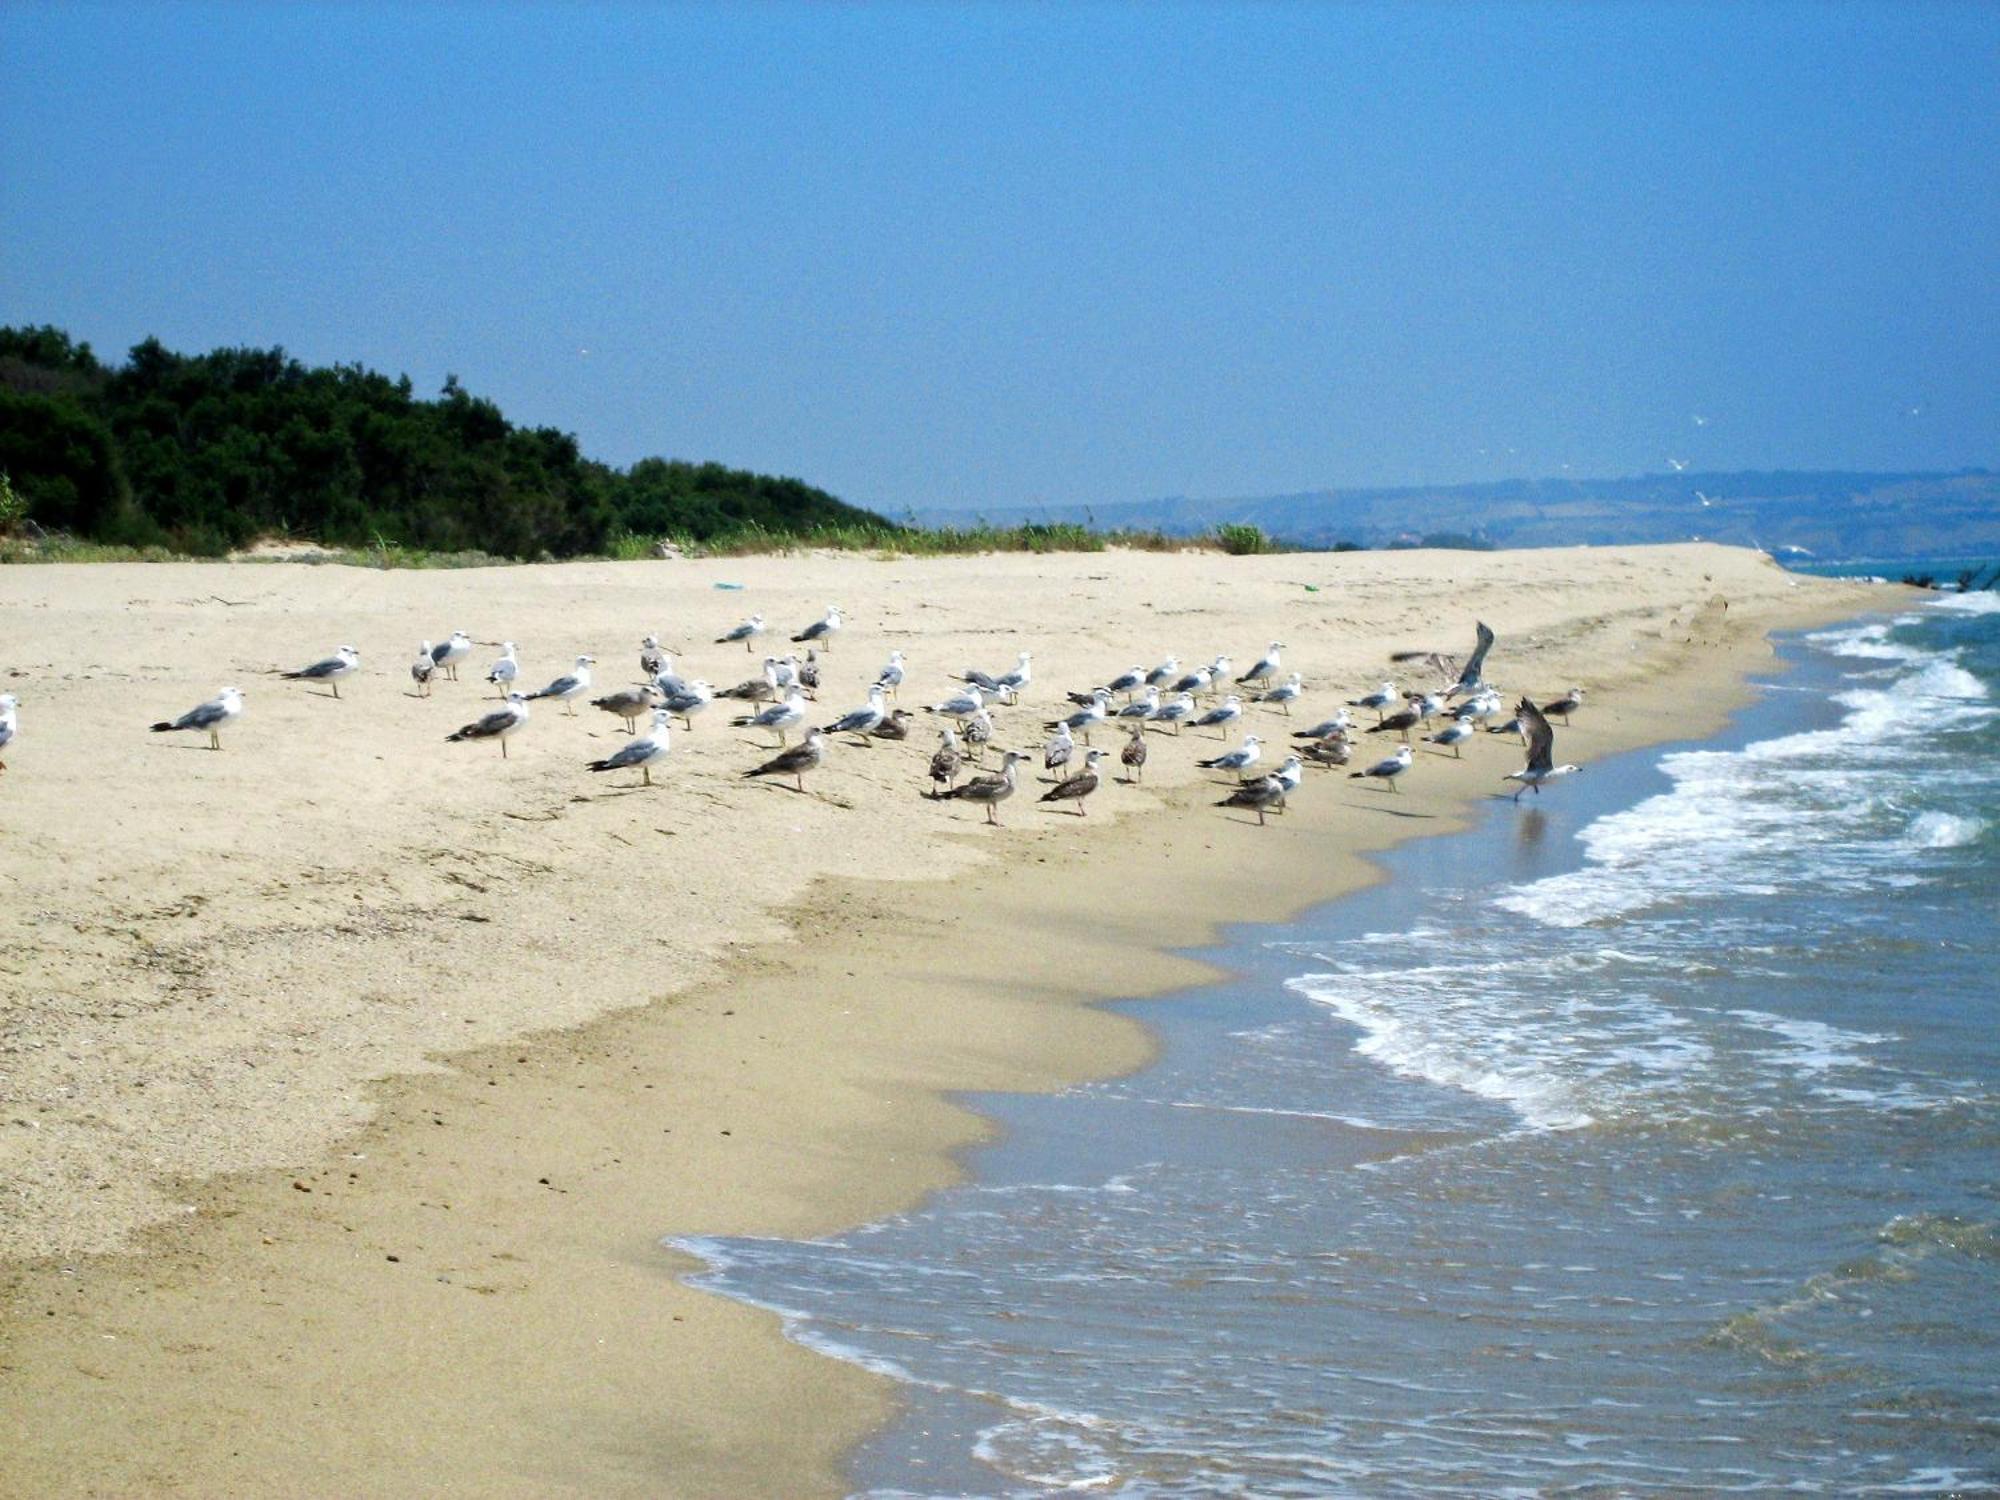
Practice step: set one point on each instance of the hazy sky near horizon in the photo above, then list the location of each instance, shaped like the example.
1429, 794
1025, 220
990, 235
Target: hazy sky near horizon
1008, 254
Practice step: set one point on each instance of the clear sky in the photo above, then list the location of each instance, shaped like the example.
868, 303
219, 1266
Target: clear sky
999, 254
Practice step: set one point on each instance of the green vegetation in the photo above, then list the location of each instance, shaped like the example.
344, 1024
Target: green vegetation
205, 453
1242, 540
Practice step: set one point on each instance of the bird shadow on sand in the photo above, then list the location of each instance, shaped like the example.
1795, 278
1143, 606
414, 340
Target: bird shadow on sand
1394, 812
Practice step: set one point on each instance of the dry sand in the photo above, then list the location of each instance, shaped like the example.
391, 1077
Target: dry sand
349, 1079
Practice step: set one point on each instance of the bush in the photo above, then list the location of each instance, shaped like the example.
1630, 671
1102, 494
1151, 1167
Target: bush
1240, 539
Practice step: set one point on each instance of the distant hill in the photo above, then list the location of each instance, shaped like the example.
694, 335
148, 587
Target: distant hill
1828, 515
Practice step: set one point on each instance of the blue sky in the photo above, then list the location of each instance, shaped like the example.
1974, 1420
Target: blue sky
999, 255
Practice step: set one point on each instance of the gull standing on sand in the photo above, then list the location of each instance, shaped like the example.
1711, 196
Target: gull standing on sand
891, 676
989, 791
1454, 735
1265, 670
1259, 795
1401, 722
1388, 770
1164, 673
947, 759
570, 686
423, 669
960, 705
1176, 713
979, 733
1196, 681
502, 724
685, 704
224, 708
1242, 758
1222, 716
1078, 787
628, 704
449, 654
780, 718
503, 672
895, 725
863, 720
343, 663
1287, 776
1011, 683
761, 689
1340, 723
1541, 764
1128, 681
1566, 705
822, 631
1332, 751
1142, 707
746, 632
10, 723
1133, 756
1378, 700
644, 752
652, 659
666, 681
1088, 717
796, 761
1284, 694
1056, 753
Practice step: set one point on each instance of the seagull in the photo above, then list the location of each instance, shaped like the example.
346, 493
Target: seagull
1401, 722
1541, 764
505, 670
1133, 756
1328, 752
989, 791
1056, 753
645, 752
225, 707
960, 705
1512, 726
1266, 668
862, 720
1454, 735
1164, 673
685, 705
946, 761
1088, 717
891, 676
1388, 770
342, 663
452, 652
1011, 683
1259, 795
806, 673
986, 682
653, 660
1378, 700
1221, 716
1196, 681
762, 689
1283, 694
780, 718
1142, 707
822, 631
1288, 776
628, 704
1340, 723
1469, 680
979, 733
895, 725
1078, 787
1177, 712
666, 681
1427, 705
10, 722
422, 669
1483, 704
500, 725
1242, 758
1128, 681
746, 632
1566, 705
796, 761
570, 686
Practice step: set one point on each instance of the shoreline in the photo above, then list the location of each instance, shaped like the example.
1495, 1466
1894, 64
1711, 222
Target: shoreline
804, 1088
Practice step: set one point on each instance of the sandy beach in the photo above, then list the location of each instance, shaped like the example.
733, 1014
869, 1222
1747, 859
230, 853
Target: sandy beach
350, 1080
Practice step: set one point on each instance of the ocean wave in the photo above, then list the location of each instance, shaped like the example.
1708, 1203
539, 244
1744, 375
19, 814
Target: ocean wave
1985, 602
1943, 830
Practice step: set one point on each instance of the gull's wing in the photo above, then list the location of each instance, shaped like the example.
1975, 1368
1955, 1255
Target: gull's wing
1541, 738
1477, 660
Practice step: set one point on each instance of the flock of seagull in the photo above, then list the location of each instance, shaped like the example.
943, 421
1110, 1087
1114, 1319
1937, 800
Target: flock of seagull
780, 700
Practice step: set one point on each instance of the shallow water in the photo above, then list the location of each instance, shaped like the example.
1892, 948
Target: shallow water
1641, 1141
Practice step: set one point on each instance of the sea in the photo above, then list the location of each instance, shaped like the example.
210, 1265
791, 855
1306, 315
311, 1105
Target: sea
1641, 1139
